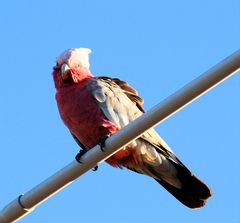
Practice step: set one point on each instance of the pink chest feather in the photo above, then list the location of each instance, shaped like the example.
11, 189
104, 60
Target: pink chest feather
82, 115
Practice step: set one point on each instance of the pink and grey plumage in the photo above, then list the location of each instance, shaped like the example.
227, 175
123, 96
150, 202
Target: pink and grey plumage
93, 107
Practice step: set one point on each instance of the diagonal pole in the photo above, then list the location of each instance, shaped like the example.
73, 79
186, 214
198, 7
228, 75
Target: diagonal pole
26, 203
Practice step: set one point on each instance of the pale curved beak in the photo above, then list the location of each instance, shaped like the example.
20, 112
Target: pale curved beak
65, 71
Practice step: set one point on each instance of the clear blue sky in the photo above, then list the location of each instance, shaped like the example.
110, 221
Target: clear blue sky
157, 47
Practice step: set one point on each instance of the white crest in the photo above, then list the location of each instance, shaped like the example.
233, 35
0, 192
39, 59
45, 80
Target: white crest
75, 56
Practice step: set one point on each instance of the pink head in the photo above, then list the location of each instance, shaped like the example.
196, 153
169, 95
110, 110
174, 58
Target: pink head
72, 67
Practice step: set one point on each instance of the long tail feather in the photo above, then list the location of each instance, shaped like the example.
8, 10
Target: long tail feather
193, 192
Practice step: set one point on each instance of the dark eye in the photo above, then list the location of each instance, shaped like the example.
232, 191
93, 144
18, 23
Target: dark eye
57, 66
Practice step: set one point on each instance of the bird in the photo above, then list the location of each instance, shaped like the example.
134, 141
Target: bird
95, 107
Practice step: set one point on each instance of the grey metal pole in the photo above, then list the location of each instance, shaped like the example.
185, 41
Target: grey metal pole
27, 202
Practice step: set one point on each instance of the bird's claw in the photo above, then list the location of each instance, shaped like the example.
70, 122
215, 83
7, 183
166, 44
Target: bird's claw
80, 154
95, 168
102, 142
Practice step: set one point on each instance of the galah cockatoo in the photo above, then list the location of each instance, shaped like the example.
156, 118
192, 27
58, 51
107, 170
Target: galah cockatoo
95, 107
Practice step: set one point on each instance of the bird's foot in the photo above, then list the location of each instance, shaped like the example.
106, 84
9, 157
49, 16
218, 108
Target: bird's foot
102, 142
80, 154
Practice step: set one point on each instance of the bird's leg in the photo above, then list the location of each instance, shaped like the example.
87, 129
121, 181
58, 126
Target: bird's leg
102, 142
80, 154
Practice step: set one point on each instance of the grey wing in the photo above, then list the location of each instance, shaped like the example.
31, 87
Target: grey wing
121, 104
